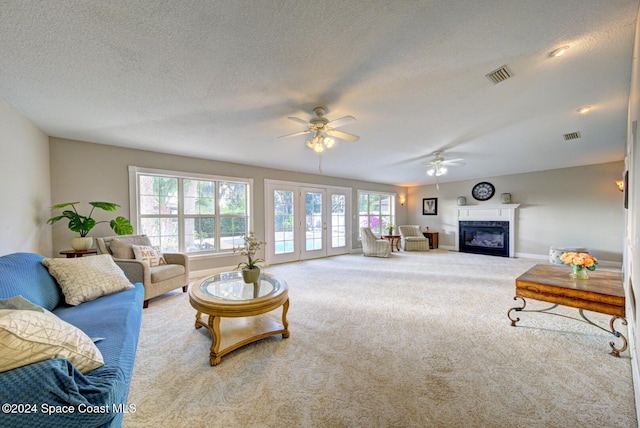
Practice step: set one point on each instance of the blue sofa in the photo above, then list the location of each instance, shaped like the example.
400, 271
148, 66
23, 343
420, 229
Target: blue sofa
97, 398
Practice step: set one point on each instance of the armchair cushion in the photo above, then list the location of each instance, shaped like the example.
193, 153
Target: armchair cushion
163, 272
122, 247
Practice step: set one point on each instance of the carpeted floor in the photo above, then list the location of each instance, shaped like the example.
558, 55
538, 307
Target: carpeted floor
415, 340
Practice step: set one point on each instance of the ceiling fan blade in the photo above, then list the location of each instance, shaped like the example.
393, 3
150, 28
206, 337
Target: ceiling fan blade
343, 135
295, 134
453, 162
341, 122
297, 119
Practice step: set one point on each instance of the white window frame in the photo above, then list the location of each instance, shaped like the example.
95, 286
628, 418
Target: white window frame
392, 215
134, 203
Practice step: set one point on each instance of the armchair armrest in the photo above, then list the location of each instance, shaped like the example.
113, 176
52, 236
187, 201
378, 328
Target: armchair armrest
177, 259
135, 270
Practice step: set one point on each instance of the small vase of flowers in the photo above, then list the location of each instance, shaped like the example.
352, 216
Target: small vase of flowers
250, 268
390, 228
580, 263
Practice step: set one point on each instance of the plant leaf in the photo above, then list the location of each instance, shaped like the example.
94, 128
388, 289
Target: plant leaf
65, 204
121, 226
107, 206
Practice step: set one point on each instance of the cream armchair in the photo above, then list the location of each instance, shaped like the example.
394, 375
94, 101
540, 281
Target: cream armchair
412, 239
158, 279
372, 246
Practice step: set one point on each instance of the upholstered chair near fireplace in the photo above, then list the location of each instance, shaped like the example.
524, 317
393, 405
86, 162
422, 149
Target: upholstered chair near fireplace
413, 239
141, 262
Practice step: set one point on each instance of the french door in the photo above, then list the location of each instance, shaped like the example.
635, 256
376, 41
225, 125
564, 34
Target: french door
305, 222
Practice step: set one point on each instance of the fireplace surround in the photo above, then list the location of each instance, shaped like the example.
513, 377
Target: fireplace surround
486, 229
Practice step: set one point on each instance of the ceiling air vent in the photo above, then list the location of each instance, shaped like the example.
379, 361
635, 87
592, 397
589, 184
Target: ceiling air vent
571, 136
499, 75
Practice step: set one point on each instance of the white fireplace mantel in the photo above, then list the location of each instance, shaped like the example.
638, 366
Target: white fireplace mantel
504, 212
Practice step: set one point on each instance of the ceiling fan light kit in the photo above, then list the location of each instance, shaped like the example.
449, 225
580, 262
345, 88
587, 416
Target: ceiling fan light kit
324, 132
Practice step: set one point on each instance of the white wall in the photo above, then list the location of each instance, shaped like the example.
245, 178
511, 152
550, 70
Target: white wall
571, 206
632, 231
24, 185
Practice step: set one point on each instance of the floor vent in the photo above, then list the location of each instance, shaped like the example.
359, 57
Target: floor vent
571, 136
499, 75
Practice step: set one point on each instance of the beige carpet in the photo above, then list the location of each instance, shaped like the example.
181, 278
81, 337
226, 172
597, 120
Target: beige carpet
416, 340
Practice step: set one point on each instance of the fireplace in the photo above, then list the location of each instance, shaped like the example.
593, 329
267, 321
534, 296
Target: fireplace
484, 237
487, 229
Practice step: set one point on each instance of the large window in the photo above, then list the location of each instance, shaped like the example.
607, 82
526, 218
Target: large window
376, 210
190, 213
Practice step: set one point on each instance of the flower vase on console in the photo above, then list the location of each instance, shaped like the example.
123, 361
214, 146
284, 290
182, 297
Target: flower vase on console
579, 272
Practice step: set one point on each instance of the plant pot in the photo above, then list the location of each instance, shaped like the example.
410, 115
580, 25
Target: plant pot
251, 275
81, 243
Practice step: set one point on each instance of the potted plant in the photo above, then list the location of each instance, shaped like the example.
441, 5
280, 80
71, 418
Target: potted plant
250, 268
83, 224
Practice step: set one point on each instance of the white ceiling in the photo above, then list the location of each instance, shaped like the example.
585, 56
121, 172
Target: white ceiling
218, 79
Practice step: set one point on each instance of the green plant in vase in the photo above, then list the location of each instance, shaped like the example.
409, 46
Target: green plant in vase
83, 224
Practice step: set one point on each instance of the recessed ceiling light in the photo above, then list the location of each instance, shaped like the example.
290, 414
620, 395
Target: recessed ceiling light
585, 109
559, 51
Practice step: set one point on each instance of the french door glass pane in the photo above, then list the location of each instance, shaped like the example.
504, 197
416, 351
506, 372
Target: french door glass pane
313, 221
338, 221
283, 218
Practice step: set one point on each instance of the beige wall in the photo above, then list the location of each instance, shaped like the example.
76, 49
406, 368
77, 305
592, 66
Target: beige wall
570, 206
24, 186
82, 171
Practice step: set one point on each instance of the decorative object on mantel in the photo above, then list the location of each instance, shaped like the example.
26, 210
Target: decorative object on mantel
83, 224
580, 263
430, 206
250, 268
483, 191
505, 198
462, 201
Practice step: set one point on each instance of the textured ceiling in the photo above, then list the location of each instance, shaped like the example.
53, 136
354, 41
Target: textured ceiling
218, 79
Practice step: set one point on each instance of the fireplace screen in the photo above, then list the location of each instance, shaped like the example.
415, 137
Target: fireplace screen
485, 237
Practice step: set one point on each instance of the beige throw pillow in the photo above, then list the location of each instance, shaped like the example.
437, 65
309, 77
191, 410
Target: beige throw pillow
149, 254
87, 278
30, 336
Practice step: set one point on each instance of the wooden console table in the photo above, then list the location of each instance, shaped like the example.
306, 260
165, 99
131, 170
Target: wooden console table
433, 239
72, 254
394, 240
602, 292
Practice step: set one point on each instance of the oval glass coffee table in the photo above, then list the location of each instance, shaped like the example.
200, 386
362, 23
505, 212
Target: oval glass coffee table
235, 310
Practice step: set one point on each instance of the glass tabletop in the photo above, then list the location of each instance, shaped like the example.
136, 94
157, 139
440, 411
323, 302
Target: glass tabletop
231, 286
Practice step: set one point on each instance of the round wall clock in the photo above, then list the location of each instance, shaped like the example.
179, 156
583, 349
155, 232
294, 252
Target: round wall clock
483, 191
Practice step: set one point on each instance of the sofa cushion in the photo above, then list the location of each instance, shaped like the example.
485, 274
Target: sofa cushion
29, 336
149, 254
87, 278
23, 274
122, 248
162, 272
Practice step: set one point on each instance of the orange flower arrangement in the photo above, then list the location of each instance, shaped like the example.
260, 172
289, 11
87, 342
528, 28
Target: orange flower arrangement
580, 259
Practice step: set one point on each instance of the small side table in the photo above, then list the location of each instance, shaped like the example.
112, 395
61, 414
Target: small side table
433, 239
394, 240
72, 254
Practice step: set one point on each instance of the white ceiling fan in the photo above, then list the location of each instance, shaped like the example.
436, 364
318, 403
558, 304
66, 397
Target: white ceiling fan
438, 165
323, 132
